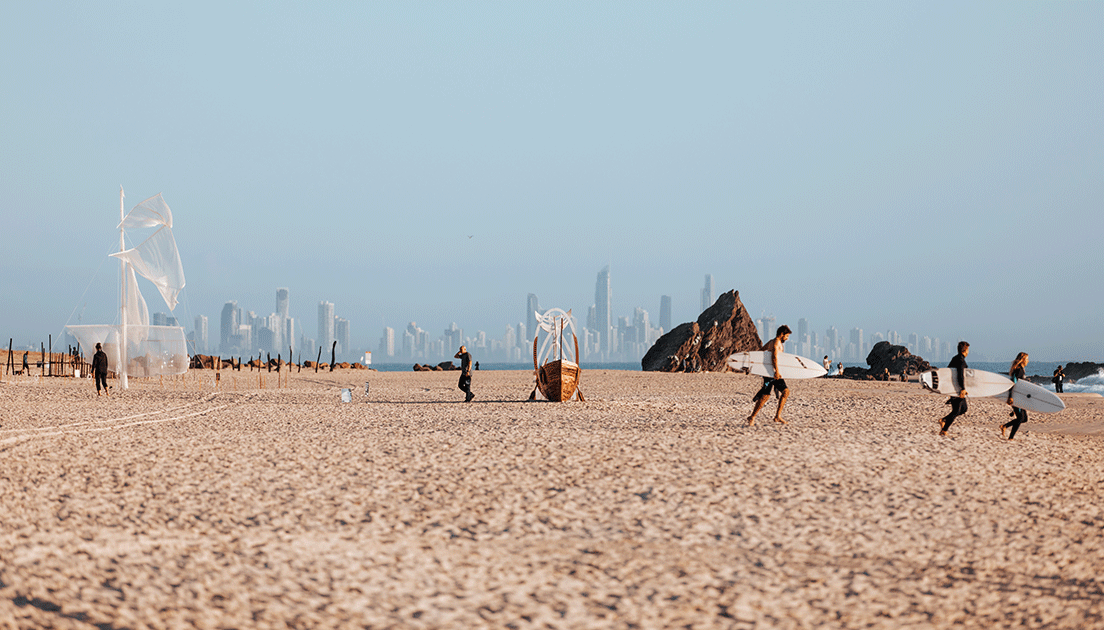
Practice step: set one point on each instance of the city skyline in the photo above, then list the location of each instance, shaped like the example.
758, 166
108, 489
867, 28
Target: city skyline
632, 336
934, 167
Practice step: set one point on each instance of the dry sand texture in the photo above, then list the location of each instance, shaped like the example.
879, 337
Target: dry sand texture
652, 505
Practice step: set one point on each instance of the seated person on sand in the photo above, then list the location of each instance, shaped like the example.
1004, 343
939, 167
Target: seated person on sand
774, 347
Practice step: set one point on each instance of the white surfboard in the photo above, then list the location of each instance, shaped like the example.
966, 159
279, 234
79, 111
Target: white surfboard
1029, 396
979, 383
789, 365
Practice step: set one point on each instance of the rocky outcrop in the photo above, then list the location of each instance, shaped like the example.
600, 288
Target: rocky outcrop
721, 330
897, 359
443, 366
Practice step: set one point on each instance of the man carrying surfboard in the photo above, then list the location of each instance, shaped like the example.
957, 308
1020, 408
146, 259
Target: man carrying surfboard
1019, 415
957, 403
774, 347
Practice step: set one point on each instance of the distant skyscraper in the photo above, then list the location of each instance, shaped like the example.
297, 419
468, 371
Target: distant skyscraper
665, 313
387, 342
231, 321
201, 334
603, 295
803, 345
326, 325
341, 334
282, 302
707, 293
857, 340
532, 306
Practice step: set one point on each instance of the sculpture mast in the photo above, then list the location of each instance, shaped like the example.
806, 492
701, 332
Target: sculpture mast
122, 299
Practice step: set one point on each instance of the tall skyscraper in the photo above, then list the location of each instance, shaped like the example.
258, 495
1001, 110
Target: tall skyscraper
707, 292
857, 340
231, 321
279, 326
326, 325
603, 295
200, 334
387, 342
665, 313
282, 302
532, 306
342, 335
804, 347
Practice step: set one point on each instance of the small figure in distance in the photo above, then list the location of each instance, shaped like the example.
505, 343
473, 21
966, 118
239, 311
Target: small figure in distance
839, 369
1059, 378
99, 370
465, 372
774, 347
827, 364
1016, 372
957, 403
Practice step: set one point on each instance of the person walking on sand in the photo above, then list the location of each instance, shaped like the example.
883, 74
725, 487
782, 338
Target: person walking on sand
465, 372
774, 347
1019, 416
1059, 378
99, 370
957, 403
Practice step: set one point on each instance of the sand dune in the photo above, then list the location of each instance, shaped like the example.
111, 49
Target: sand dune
651, 505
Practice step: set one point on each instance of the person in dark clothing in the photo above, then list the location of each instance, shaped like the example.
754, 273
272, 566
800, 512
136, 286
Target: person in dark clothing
957, 403
1059, 378
465, 372
99, 370
1016, 372
26, 368
778, 384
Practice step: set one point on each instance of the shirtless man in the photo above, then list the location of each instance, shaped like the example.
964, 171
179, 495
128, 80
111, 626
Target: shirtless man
774, 347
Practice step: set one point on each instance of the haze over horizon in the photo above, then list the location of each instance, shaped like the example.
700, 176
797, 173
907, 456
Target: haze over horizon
935, 168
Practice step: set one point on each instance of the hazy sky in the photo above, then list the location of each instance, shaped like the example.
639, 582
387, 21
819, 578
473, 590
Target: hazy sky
929, 167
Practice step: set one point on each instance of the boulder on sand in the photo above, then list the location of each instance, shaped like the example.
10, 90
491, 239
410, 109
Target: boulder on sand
720, 331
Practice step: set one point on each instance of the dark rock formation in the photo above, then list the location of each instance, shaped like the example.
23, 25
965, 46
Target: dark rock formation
443, 366
721, 330
897, 359
1076, 371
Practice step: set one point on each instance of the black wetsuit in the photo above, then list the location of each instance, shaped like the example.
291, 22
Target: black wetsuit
99, 369
465, 376
958, 405
1021, 414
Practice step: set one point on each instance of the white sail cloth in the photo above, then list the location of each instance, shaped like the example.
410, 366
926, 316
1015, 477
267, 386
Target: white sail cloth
156, 258
151, 350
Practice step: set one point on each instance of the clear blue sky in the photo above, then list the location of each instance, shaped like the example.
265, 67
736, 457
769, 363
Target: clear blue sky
929, 167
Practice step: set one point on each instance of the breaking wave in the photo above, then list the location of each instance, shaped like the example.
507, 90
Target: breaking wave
1092, 384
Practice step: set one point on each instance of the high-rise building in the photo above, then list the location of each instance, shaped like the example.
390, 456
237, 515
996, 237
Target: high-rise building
282, 302
387, 342
231, 321
665, 313
532, 307
603, 295
280, 339
200, 334
857, 340
342, 336
326, 324
289, 335
831, 341
454, 336
804, 347
707, 292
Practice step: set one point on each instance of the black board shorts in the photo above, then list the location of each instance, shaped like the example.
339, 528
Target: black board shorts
777, 384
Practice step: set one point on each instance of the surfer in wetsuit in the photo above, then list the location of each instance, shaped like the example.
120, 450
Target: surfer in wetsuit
99, 369
1016, 372
465, 372
774, 347
957, 403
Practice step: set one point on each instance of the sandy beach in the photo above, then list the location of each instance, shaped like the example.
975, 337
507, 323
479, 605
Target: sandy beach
652, 505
